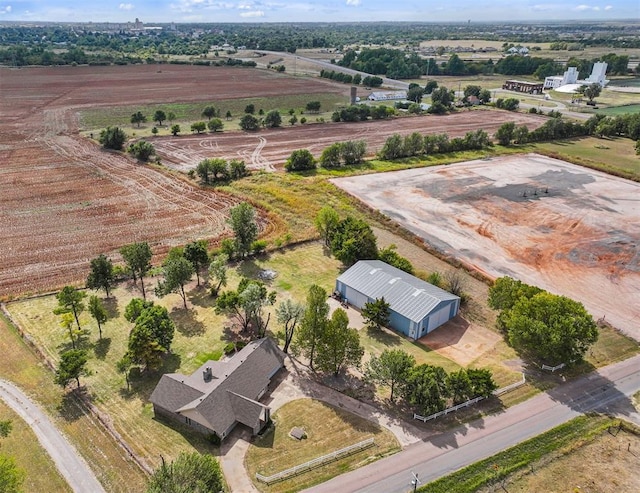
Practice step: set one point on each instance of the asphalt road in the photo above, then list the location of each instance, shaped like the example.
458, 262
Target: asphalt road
73, 469
441, 454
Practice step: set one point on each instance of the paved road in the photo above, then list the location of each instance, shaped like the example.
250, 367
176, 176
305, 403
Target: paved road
607, 389
77, 473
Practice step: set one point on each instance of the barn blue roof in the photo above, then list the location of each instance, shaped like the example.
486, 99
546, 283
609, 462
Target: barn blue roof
406, 294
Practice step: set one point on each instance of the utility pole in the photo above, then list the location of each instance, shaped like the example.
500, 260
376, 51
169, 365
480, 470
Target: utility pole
415, 481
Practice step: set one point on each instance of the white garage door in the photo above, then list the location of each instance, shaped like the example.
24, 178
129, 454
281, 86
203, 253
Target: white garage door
438, 318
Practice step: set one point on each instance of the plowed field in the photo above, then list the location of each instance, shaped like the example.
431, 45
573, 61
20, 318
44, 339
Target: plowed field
549, 223
269, 149
64, 200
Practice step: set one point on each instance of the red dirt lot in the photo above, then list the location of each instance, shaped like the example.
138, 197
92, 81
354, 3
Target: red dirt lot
269, 149
64, 200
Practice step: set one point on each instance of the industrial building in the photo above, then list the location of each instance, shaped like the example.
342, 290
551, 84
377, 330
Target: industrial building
415, 306
523, 86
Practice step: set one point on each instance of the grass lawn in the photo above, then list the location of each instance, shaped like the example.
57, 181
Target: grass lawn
187, 113
611, 155
115, 470
328, 429
558, 441
619, 110
23, 446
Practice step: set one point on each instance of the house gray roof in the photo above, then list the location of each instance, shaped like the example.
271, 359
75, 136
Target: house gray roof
406, 294
227, 394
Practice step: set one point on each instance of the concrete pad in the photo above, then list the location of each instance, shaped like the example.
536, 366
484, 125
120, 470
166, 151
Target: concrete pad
567, 229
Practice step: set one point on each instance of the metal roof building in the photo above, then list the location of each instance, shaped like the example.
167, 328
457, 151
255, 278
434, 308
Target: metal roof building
416, 307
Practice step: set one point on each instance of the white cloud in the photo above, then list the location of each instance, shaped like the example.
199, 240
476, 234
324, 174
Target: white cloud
609, 7
5, 10
125, 6
584, 8
253, 13
354, 3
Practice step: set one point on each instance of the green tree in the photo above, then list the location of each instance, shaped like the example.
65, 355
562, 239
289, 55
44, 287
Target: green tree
237, 169
293, 120
177, 272
218, 272
504, 134
250, 109
376, 313
150, 337
313, 106
134, 308
326, 222
353, 151
460, 386
249, 123
159, 116
70, 301
389, 369
247, 304
112, 138
331, 156
5, 428
142, 150
443, 96
413, 144
101, 275
124, 366
425, 387
300, 159
591, 91
472, 90
484, 96
393, 148
175, 129
551, 328
288, 314
189, 473
482, 384
196, 253
171, 116
339, 346
390, 256
11, 476
137, 256
415, 93
209, 112
506, 291
66, 322
215, 125
137, 118
313, 324
72, 366
242, 219
198, 127
353, 240
98, 312
228, 116
273, 119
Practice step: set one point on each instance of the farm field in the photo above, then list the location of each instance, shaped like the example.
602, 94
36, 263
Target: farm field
573, 233
64, 200
269, 149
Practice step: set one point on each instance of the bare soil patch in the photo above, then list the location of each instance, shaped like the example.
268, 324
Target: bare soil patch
269, 149
567, 229
64, 200
461, 341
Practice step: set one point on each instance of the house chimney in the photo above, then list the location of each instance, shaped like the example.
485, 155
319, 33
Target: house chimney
206, 374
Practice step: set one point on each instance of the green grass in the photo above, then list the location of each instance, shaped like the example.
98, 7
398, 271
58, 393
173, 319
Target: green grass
619, 110
187, 113
114, 469
23, 446
328, 429
611, 155
563, 438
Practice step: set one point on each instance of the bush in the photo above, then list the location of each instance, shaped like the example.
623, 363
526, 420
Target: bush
198, 127
142, 150
258, 246
112, 138
249, 123
300, 159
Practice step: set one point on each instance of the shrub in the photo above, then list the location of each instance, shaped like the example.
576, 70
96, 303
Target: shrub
258, 246
300, 159
142, 150
112, 138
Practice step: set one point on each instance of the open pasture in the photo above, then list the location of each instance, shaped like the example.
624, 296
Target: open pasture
269, 149
564, 228
64, 200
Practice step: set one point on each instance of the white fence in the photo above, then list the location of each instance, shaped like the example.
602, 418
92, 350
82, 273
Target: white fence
343, 452
553, 368
509, 388
497, 392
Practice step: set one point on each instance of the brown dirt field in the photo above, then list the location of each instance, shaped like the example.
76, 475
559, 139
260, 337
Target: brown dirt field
64, 200
580, 238
269, 149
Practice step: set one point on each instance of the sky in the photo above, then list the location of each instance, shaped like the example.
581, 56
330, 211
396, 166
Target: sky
150, 11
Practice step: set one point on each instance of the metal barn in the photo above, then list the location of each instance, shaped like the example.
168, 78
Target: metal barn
416, 307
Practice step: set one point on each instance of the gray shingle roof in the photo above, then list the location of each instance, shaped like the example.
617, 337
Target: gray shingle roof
406, 294
229, 396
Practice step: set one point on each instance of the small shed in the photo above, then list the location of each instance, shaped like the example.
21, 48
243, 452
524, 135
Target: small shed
416, 307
